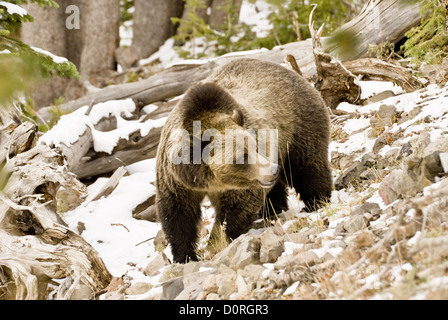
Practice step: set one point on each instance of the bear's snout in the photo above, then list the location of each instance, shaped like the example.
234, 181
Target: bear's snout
267, 172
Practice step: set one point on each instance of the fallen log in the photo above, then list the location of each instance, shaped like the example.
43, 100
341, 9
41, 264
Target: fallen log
98, 140
128, 151
35, 244
337, 81
379, 69
175, 80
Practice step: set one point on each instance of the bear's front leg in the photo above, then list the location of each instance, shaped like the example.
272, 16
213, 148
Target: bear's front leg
276, 200
314, 183
236, 210
180, 214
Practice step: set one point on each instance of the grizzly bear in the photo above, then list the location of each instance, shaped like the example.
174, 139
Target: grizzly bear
195, 158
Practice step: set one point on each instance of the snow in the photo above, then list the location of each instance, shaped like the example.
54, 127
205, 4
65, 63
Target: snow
371, 88
252, 14
321, 252
355, 143
143, 166
110, 227
434, 108
256, 15
290, 247
13, 9
126, 34
353, 125
291, 289
106, 109
107, 141
243, 53
56, 59
166, 55
71, 127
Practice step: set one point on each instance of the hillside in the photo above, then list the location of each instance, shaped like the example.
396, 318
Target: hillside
383, 236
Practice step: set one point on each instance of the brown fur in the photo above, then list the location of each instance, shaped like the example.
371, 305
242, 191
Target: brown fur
244, 94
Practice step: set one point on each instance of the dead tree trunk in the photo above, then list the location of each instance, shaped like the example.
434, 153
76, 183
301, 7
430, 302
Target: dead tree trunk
379, 69
35, 244
334, 81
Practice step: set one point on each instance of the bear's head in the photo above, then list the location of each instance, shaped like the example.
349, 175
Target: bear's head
214, 150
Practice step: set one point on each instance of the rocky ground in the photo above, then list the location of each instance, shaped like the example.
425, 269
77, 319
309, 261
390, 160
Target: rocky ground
383, 236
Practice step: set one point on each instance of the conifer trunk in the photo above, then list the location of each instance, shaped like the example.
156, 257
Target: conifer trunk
91, 47
152, 24
219, 16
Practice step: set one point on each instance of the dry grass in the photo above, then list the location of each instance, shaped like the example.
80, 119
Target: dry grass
217, 242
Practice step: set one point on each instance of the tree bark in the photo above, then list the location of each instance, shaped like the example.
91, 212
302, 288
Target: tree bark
100, 22
46, 32
219, 18
152, 24
91, 48
379, 69
334, 82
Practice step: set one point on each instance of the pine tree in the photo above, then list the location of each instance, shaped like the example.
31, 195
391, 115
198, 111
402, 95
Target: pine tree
428, 42
290, 18
21, 65
126, 15
193, 26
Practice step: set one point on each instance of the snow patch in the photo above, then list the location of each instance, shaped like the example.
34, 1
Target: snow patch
71, 127
371, 88
257, 15
13, 9
56, 59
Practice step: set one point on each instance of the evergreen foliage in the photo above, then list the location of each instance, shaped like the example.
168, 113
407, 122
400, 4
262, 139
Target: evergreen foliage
428, 42
193, 26
289, 19
20, 64
126, 15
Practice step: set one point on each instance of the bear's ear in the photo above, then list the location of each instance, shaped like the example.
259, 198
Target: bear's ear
238, 117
